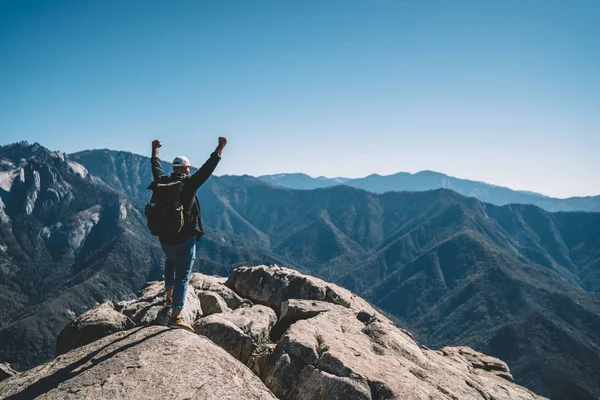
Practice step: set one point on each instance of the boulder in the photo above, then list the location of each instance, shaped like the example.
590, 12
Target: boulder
121, 305
239, 332
155, 314
92, 325
6, 371
149, 308
212, 303
152, 297
273, 285
136, 309
336, 355
478, 361
217, 285
260, 357
142, 363
151, 291
294, 310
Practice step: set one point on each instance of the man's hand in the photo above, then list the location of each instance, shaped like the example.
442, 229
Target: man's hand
156, 144
221, 146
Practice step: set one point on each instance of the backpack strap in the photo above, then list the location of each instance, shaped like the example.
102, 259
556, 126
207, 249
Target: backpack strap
189, 210
162, 180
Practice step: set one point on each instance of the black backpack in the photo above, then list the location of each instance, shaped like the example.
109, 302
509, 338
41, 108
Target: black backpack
165, 212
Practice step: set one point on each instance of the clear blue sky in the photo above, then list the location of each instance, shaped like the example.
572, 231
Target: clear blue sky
506, 92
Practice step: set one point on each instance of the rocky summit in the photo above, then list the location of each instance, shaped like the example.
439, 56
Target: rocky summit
265, 332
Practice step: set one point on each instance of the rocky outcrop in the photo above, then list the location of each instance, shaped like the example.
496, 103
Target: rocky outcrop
239, 332
142, 363
271, 286
90, 326
211, 302
6, 371
216, 285
335, 355
325, 344
294, 310
478, 362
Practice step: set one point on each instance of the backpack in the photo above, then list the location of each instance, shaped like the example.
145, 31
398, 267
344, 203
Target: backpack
165, 212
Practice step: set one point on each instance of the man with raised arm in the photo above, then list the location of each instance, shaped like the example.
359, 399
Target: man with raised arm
180, 248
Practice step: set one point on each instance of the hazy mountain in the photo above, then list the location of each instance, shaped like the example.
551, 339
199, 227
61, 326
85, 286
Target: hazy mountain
301, 181
429, 180
514, 281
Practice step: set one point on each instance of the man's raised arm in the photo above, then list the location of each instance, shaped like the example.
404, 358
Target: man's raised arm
157, 171
209, 166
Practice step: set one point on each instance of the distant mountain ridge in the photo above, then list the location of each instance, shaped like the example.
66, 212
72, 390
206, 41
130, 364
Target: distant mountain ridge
302, 181
430, 180
124, 175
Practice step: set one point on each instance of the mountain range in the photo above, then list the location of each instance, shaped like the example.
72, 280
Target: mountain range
514, 281
430, 180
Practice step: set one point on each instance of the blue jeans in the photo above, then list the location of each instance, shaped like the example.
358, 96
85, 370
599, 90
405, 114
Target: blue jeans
178, 269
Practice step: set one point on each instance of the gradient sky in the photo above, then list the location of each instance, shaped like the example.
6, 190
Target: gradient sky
506, 92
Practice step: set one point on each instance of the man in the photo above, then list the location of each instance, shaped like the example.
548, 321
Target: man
180, 248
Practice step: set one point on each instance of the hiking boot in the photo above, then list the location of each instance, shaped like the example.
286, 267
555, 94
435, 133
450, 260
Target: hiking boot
179, 322
169, 298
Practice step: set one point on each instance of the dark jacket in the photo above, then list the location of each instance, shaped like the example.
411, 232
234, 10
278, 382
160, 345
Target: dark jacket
191, 183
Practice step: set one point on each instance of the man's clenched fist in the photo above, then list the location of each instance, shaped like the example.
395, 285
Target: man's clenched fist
222, 141
156, 144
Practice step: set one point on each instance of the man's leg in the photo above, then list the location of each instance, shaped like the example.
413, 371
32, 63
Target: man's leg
186, 254
169, 271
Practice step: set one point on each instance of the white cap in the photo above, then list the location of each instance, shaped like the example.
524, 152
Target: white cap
181, 161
